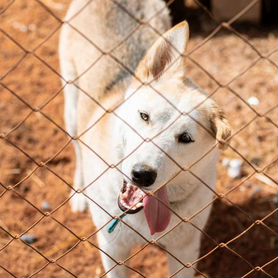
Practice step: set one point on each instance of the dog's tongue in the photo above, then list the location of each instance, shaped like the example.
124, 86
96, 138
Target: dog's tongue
157, 214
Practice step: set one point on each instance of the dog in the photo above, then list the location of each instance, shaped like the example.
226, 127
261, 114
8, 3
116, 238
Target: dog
146, 137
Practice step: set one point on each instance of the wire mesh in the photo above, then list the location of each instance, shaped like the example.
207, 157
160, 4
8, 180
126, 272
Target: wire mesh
37, 162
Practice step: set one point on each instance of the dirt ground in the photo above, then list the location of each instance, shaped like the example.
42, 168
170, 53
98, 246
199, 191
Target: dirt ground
30, 136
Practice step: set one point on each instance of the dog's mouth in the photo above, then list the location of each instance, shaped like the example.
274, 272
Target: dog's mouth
130, 199
156, 206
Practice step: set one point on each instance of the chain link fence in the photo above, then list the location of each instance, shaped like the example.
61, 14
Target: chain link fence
43, 166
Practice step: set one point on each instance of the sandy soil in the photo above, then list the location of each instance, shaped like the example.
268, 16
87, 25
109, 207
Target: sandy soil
33, 135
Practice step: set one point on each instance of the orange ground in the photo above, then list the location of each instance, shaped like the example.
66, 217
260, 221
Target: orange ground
35, 136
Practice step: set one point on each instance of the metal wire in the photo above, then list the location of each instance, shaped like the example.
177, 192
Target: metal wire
46, 164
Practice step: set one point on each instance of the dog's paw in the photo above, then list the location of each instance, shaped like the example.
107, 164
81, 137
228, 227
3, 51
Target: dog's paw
79, 203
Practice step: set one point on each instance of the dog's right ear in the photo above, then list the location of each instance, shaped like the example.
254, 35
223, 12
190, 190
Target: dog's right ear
220, 127
167, 50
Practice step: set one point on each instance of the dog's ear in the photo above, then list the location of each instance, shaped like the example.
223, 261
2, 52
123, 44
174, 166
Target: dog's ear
220, 127
168, 49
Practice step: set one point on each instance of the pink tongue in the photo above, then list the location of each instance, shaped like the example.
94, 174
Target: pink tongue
157, 214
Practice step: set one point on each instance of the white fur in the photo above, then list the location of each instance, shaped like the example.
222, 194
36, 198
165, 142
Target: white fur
100, 151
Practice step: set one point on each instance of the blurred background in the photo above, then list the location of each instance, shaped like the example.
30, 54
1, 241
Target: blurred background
232, 56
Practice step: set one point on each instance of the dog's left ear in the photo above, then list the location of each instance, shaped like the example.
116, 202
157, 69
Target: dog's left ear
220, 127
168, 49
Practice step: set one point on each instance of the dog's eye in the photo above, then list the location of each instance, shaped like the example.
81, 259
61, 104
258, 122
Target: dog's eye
185, 138
144, 116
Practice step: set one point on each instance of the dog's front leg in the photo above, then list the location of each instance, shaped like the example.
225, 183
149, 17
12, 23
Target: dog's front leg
181, 255
71, 113
113, 253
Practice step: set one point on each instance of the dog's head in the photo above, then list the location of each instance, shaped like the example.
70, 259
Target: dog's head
171, 122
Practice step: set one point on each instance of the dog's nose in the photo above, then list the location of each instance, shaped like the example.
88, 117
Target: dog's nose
143, 175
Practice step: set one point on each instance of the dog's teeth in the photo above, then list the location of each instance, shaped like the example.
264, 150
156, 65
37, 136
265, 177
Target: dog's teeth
138, 205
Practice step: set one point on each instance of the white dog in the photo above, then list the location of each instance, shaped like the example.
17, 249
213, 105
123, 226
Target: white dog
146, 143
